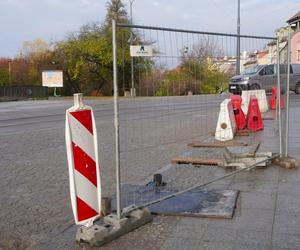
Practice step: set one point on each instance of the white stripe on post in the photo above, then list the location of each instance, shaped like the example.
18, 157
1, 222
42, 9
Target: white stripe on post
86, 191
81, 136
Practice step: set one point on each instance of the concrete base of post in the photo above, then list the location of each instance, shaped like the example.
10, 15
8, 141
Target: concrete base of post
109, 228
127, 93
133, 92
286, 162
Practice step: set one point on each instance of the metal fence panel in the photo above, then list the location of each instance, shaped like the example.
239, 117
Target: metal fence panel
179, 90
22, 92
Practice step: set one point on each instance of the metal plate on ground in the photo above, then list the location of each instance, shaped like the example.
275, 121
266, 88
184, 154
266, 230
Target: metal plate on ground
197, 203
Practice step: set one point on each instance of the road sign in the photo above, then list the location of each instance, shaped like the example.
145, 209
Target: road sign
52, 78
141, 50
82, 152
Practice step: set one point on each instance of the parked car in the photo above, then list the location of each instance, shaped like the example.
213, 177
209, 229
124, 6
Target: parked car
265, 77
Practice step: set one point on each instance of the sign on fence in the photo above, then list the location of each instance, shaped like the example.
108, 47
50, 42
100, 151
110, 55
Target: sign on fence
141, 50
53, 78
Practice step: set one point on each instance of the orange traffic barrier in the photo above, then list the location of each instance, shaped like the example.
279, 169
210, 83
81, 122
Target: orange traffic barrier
239, 115
273, 99
254, 119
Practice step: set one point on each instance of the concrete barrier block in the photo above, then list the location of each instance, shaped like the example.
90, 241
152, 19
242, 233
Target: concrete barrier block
260, 95
109, 228
226, 126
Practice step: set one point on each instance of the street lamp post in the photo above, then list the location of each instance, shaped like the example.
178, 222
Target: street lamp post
132, 90
54, 63
288, 88
9, 70
238, 41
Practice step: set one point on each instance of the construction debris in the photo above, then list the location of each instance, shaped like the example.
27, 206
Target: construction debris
242, 152
216, 144
197, 161
237, 157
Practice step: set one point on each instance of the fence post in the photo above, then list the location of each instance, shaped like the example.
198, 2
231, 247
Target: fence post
278, 95
288, 91
116, 119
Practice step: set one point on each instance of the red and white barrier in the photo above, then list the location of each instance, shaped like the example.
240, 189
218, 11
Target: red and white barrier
82, 152
261, 97
226, 126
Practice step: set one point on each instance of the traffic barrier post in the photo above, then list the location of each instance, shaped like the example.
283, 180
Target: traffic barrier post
82, 153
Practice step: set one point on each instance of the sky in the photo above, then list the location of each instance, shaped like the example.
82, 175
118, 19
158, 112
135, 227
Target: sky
52, 20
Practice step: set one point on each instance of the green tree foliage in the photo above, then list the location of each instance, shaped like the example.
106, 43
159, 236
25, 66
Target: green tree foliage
4, 77
4, 72
115, 10
87, 56
197, 73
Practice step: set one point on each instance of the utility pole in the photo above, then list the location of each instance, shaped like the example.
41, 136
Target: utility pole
9, 70
238, 41
132, 90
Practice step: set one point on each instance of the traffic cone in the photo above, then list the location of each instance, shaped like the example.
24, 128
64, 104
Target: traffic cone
273, 99
260, 95
239, 115
254, 120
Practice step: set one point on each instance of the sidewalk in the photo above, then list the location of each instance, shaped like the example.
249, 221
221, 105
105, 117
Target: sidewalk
267, 214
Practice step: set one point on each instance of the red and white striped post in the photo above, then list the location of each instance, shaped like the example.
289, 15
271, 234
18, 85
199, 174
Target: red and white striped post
82, 152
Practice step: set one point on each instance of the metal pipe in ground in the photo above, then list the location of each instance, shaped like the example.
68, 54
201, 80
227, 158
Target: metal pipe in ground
278, 102
288, 92
116, 120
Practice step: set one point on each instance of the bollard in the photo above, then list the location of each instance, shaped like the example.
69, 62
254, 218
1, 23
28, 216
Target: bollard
82, 152
226, 126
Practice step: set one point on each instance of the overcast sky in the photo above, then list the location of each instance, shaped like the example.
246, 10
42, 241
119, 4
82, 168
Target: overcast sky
51, 20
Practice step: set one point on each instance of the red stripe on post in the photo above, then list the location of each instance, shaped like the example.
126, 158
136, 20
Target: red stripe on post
84, 164
85, 118
84, 211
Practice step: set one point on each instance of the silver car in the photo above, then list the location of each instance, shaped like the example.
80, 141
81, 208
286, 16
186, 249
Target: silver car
265, 77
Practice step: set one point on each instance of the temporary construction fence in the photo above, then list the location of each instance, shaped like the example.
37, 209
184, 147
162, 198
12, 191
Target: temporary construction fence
22, 92
179, 79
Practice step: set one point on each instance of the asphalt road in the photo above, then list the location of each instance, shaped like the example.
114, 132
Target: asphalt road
35, 204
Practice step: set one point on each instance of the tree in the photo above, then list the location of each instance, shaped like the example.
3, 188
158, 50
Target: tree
88, 60
87, 55
35, 47
38, 55
196, 72
4, 73
115, 10
4, 77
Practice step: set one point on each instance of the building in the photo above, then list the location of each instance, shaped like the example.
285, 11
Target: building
294, 21
269, 54
282, 34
